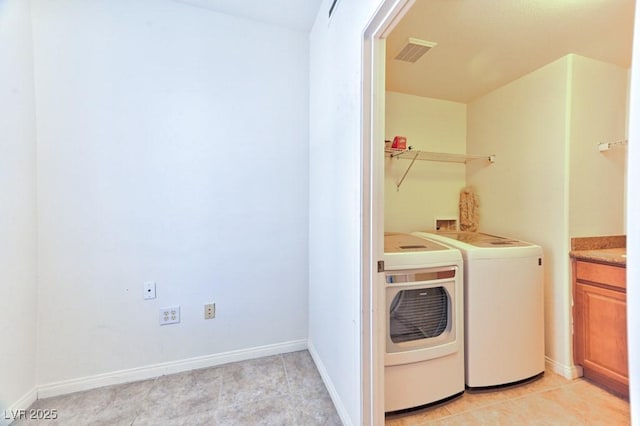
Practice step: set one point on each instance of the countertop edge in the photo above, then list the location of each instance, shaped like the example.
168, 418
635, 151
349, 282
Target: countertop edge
594, 256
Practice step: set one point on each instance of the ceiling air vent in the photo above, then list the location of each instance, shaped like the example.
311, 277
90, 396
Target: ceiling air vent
414, 49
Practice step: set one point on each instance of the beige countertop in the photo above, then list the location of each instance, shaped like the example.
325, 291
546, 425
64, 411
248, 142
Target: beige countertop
607, 249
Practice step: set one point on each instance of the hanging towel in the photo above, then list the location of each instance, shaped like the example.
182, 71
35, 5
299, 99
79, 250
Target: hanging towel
469, 214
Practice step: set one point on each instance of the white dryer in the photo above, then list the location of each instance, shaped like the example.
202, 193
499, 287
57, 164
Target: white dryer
424, 356
504, 307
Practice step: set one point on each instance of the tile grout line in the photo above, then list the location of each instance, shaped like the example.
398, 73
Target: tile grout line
546, 389
286, 376
238, 404
490, 404
144, 399
471, 410
508, 400
514, 399
223, 370
216, 412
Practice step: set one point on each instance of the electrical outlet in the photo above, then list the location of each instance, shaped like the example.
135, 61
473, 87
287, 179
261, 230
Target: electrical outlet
150, 290
170, 315
210, 311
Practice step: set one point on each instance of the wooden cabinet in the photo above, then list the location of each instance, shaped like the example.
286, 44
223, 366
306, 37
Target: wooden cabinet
600, 323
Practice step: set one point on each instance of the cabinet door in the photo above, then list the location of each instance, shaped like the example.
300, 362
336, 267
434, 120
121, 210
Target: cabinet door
604, 332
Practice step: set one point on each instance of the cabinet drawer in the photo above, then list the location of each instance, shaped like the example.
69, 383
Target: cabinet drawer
604, 274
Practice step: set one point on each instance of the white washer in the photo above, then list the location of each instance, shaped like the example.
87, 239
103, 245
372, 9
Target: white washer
504, 307
424, 356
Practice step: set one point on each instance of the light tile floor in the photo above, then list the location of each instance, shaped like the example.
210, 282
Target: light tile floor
287, 390
550, 400
277, 390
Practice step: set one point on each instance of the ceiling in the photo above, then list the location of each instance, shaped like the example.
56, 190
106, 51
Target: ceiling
297, 15
484, 44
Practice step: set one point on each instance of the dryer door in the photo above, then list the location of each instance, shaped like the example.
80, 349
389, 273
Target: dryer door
421, 314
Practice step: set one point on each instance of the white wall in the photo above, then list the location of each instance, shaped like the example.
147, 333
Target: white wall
431, 189
524, 194
173, 146
335, 258
17, 212
597, 179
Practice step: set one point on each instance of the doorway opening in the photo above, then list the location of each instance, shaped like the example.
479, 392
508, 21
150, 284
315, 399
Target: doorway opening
529, 153
372, 302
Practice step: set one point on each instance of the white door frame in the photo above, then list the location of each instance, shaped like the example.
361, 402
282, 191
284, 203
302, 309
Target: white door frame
633, 228
372, 205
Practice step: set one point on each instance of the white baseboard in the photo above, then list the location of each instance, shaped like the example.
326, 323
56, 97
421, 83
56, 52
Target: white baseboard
569, 372
337, 401
156, 370
12, 412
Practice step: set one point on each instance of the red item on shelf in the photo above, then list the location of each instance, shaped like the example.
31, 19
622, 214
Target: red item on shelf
399, 142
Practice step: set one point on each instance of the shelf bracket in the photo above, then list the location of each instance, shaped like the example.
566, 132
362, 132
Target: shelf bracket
413, 160
606, 146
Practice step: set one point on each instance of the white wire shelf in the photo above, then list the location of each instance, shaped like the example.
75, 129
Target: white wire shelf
413, 155
444, 157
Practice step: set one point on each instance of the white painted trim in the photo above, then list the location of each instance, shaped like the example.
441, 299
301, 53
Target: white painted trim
633, 229
335, 397
156, 370
569, 372
372, 207
22, 404
565, 329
